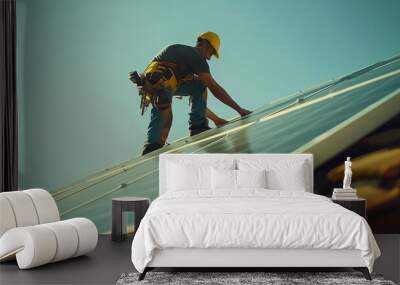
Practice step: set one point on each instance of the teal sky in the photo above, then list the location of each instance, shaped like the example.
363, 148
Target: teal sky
79, 113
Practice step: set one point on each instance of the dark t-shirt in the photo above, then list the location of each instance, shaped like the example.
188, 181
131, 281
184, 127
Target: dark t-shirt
187, 58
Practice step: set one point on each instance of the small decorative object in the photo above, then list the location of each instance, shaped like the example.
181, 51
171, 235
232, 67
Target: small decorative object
345, 193
347, 174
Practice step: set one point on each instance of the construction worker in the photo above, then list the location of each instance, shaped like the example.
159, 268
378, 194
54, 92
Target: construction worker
183, 71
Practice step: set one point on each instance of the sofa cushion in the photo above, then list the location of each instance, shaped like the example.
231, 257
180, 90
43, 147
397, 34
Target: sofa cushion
23, 208
7, 220
46, 207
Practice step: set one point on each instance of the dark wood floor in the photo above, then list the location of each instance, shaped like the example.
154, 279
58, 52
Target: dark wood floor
103, 266
110, 259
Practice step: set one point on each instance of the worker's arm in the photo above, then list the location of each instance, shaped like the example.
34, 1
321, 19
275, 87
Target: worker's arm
213, 117
221, 94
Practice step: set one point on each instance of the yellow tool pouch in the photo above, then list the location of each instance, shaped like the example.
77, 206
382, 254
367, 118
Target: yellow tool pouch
161, 74
158, 75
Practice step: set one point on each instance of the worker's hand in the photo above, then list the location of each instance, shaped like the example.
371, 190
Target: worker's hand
219, 121
243, 112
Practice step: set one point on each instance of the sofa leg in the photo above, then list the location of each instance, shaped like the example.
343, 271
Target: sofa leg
364, 271
143, 274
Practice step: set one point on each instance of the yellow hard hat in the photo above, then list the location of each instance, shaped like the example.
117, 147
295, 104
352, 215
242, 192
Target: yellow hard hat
213, 39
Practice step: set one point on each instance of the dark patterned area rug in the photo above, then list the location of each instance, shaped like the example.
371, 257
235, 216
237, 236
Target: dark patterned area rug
243, 278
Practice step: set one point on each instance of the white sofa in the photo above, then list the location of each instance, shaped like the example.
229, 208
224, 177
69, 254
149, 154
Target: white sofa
31, 230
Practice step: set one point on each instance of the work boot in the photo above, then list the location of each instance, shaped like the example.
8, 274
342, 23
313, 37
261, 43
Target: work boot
149, 147
198, 129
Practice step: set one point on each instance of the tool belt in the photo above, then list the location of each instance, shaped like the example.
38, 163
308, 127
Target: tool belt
158, 75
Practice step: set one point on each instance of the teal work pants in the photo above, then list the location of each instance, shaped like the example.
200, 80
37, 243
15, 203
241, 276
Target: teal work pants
161, 119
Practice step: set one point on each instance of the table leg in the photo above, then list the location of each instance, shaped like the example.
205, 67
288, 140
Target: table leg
139, 214
118, 222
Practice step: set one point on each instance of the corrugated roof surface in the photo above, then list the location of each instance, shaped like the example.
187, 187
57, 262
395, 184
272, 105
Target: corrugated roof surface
292, 124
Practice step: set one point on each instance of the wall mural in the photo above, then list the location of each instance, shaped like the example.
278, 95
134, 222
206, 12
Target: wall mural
81, 133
